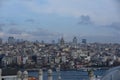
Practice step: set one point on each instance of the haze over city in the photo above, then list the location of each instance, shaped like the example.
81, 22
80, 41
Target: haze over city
96, 20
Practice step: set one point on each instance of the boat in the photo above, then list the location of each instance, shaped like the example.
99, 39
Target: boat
32, 78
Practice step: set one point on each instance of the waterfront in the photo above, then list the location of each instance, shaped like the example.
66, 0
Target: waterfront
69, 75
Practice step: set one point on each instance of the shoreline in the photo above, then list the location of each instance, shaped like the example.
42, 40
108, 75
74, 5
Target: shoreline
37, 69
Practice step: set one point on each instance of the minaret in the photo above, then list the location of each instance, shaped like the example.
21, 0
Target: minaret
59, 77
91, 75
40, 74
19, 75
50, 74
25, 75
0, 74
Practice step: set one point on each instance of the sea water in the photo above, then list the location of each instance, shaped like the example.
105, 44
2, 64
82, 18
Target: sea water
69, 75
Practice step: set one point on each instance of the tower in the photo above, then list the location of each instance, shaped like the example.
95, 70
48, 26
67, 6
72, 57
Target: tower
62, 41
91, 75
0, 40
75, 40
84, 41
11, 40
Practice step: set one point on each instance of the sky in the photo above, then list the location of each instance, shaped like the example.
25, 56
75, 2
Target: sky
96, 20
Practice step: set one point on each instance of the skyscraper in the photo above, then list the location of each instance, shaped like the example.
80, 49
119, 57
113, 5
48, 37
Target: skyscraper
74, 43
11, 40
84, 41
0, 40
75, 40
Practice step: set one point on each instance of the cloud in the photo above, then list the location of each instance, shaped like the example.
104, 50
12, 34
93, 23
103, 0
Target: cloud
117, 1
12, 24
6, 21
102, 39
98, 9
38, 34
30, 20
115, 26
1, 29
59, 7
2, 24
85, 20
15, 31
45, 34
21, 13
1, 34
74, 8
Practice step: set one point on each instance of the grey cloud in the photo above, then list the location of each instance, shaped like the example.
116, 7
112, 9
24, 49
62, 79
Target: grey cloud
42, 32
115, 26
117, 1
30, 20
15, 31
117, 4
2, 25
13, 24
103, 39
7, 22
85, 20
1, 29
38, 34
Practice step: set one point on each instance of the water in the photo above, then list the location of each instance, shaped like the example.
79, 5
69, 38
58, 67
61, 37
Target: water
69, 75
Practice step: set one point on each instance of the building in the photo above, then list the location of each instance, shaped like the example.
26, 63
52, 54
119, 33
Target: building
74, 40
0, 40
74, 43
62, 41
11, 40
84, 41
53, 41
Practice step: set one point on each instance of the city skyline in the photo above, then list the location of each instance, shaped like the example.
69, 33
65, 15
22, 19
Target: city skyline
96, 21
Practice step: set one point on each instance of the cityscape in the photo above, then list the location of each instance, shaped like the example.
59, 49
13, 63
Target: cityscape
74, 55
59, 40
